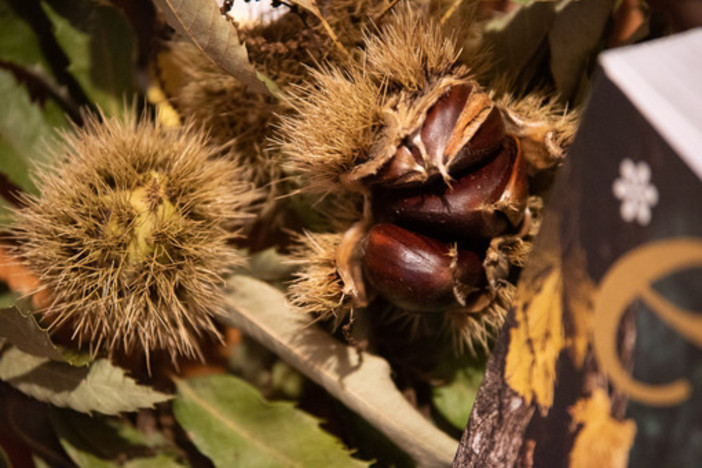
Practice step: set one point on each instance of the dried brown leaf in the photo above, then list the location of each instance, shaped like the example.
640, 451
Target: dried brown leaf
216, 36
364, 385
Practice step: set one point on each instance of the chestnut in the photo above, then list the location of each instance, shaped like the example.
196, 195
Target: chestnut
418, 273
461, 130
486, 202
453, 132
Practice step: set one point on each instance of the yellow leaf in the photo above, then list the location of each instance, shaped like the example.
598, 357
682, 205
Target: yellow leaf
538, 338
579, 293
603, 440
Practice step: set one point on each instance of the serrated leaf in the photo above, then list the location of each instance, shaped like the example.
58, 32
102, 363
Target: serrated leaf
22, 330
228, 420
102, 387
98, 442
364, 385
577, 30
216, 36
455, 400
100, 46
24, 130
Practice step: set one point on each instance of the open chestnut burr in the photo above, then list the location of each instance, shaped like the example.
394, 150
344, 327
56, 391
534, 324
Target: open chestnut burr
451, 185
432, 170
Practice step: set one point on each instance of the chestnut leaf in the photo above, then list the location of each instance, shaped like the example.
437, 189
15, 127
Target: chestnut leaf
229, 421
455, 399
364, 385
203, 24
101, 49
573, 41
20, 43
99, 442
24, 130
517, 38
22, 330
101, 387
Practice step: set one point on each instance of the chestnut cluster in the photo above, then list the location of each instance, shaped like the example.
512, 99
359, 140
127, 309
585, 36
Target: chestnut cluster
453, 185
431, 185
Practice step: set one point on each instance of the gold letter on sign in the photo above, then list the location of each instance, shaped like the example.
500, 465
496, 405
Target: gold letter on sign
630, 279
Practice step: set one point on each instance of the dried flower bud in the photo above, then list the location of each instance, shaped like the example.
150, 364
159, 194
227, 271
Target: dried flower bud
131, 235
418, 273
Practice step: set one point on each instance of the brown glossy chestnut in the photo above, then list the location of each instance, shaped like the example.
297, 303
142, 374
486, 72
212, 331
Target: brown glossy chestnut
484, 203
462, 129
418, 273
446, 133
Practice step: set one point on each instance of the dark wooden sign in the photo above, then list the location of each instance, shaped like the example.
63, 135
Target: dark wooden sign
600, 361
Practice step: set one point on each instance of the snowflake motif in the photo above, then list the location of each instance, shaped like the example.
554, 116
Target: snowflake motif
635, 190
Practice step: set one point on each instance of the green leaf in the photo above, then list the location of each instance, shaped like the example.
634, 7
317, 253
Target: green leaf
517, 38
20, 43
363, 384
229, 421
99, 442
7, 299
159, 461
102, 387
100, 46
22, 330
577, 31
24, 131
39, 463
28, 420
455, 400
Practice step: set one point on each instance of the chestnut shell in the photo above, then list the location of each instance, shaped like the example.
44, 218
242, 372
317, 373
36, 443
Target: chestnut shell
486, 202
418, 273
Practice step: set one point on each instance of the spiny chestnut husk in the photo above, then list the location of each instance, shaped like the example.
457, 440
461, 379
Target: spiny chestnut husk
131, 235
285, 50
440, 171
